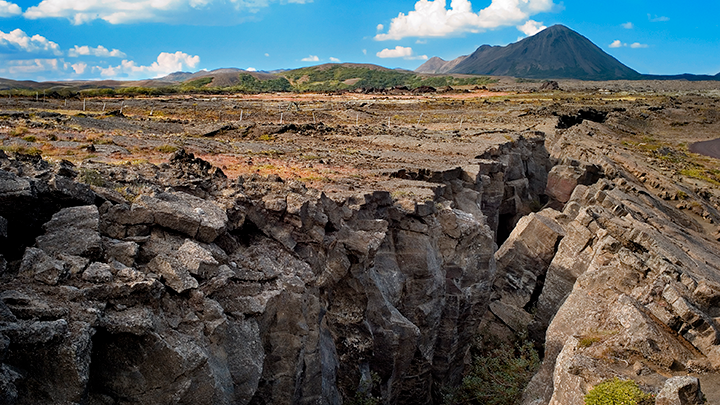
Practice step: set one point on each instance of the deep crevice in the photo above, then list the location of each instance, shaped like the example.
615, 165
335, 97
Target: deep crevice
506, 224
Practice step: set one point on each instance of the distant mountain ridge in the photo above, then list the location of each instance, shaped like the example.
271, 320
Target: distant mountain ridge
554, 53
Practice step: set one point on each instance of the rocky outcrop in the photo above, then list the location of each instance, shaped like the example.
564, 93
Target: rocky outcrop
196, 288
255, 290
626, 293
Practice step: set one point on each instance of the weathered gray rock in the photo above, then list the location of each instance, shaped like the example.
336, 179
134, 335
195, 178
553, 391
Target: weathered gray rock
3, 227
562, 180
680, 391
522, 263
197, 260
98, 273
124, 252
13, 187
187, 214
75, 265
73, 231
173, 272
37, 265
137, 321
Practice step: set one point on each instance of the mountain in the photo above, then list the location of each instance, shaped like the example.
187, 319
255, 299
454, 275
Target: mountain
554, 53
438, 65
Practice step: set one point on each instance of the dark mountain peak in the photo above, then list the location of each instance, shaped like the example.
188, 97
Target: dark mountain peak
557, 28
554, 53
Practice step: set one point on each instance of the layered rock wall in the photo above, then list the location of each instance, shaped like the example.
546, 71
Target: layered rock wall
251, 291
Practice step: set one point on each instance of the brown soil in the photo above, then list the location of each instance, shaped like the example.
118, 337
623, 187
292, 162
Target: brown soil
348, 142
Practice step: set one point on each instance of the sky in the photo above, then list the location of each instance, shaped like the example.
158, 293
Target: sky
140, 39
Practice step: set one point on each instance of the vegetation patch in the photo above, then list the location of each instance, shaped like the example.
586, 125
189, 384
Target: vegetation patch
166, 148
618, 392
498, 376
91, 177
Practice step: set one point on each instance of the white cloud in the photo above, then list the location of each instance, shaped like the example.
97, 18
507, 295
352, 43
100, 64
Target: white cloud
531, 27
18, 41
655, 18
628, 25
9, 9
251, 69
100, 51
267, 55
197, 12
399, 52
618, 44
166, 63
334, 59
311, 58
380, 27
23, 68
80, 67
431, 18
364, 51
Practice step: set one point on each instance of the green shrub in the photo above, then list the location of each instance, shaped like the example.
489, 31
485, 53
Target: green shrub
618, 392
91, 177
498, 377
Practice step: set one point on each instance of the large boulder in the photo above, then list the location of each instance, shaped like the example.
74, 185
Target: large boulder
522, 262
190, 215
680, 391
73, 231
173, 272
37, 265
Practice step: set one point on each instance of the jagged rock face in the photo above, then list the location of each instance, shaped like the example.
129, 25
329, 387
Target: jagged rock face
254, 291
628, 290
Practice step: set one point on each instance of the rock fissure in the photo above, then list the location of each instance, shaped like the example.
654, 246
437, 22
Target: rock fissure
205, 289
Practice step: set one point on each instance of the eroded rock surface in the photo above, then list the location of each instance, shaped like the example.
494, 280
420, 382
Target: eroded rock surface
195, 288
257, 290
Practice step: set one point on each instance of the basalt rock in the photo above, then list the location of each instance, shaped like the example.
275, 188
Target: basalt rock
264, 292
259, 290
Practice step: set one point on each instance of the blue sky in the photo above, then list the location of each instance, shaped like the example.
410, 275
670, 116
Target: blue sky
135, 39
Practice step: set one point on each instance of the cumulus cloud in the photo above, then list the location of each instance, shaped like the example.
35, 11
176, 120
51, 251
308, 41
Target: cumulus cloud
165, 64
311, 58
619, 44
18, 41
251, 69
628, 25
198, 12
79, 67
431, 18
9, 9
399, 52
334, 59
100, 51
25, 67
531, 27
